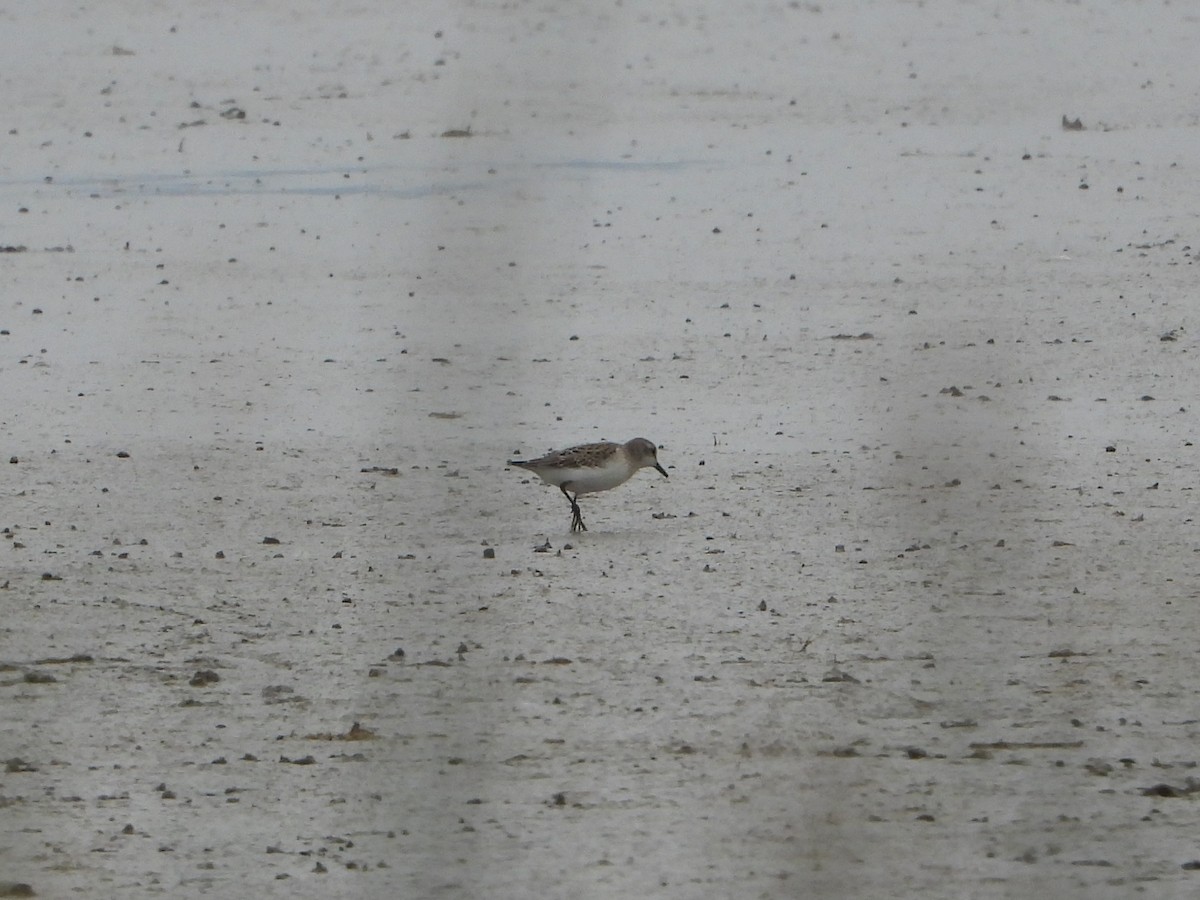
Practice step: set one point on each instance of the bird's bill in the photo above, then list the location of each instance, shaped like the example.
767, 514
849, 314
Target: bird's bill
661, 471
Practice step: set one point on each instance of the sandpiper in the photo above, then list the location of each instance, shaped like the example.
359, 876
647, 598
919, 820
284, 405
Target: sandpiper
589, 468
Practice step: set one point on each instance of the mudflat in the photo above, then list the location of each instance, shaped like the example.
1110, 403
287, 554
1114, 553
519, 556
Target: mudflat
903, 294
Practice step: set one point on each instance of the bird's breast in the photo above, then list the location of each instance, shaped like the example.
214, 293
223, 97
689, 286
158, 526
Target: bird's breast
590, 480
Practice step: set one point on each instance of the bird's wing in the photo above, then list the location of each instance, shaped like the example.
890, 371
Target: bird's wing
583, 455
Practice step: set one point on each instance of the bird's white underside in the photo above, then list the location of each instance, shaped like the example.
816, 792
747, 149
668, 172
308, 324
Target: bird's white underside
587, 480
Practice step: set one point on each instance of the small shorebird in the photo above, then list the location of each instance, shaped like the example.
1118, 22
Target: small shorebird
589, 468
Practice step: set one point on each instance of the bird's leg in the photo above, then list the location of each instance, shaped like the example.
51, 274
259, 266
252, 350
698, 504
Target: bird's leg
576, 515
